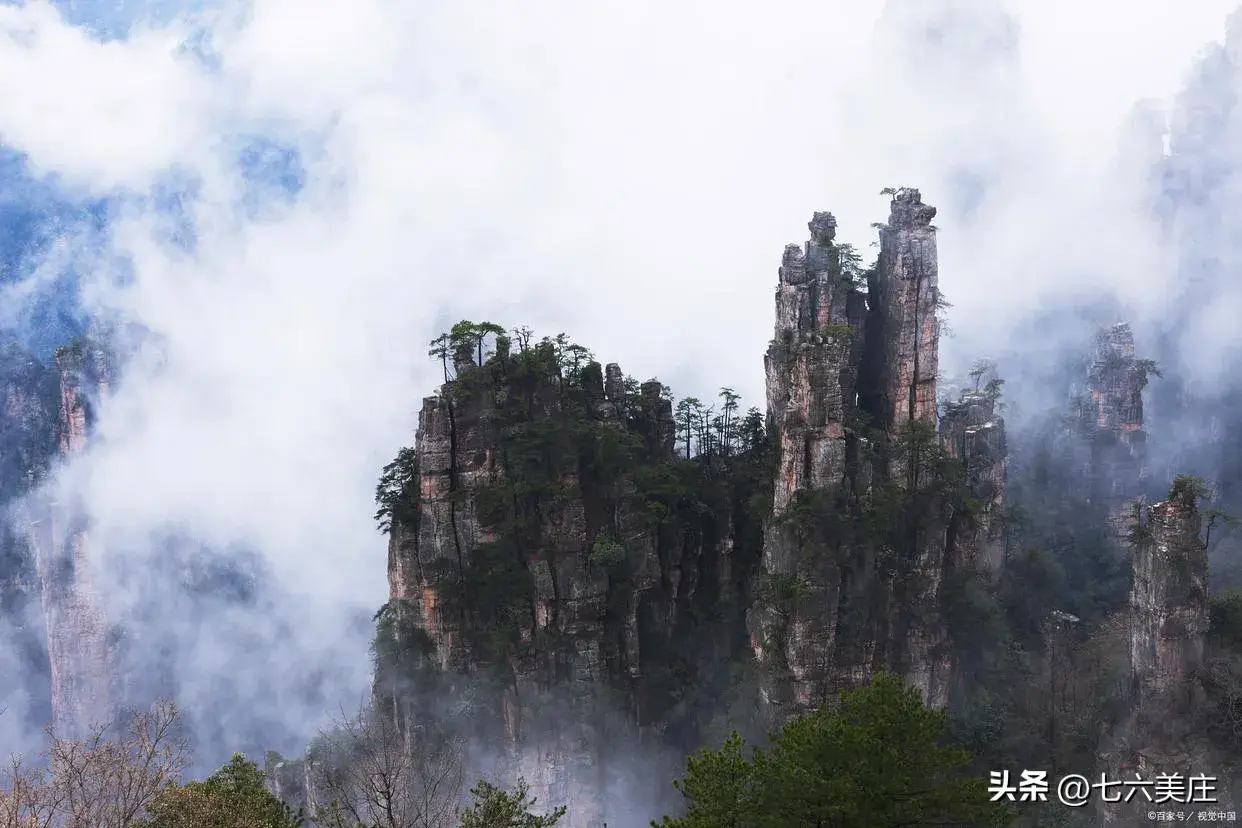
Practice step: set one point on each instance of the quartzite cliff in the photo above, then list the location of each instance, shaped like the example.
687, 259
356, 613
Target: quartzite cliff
48, 560
581, 568
852, 405
627, 597
81, 650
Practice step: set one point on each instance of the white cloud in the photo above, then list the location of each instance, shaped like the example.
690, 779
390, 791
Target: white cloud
626, 172
106, 115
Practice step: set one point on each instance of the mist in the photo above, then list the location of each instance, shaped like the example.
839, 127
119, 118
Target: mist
281, 208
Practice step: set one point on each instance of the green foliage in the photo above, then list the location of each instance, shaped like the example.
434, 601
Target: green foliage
396, 495
815, 516
686, 417
925, 488
719, 788
1143, 368
1190, 489
975, 617
468, 337
495, 589
876, 761
606, 552
233, 797
753, 430
780, 592
852, 271
836, 331
555, 467
494, 807
400, 648
1033, 582
1139, 531
980, 369
671, 490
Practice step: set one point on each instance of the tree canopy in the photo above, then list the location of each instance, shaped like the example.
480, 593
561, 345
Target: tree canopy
876, 761
233, 797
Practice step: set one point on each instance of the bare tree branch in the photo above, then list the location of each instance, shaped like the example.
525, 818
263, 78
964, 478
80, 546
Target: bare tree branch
96, 781
375, 773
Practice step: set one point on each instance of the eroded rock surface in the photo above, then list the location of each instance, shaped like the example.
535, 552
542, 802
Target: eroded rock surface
1168, 626
539, 570
81, 652
851, 393
1115, 382
973, 432
29, 391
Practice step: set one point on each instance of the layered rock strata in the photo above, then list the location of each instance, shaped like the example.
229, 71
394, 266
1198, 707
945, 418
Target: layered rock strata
1168, 626
851, 393
586, 592
1118, 443
29, 391
973, 432
81, 653
907, 298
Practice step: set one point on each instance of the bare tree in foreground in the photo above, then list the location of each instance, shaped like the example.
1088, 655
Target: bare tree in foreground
372, 773
100, 781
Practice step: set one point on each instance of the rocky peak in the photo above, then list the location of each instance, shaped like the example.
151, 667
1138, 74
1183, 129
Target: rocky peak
83, 661
973, 432
823, 227
551, 567
1169, 598
614, 394
908, 210
657, 418
1115, 380
828, 615
84, 381
1168, 625
28, 421
1114, 424
907, 300
29, 391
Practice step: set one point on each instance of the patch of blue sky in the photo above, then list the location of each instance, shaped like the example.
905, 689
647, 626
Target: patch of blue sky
114, 19
39, 299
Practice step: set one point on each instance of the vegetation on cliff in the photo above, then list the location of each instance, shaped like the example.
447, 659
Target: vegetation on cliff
1025, 694
559, 429
570, 547
575, 470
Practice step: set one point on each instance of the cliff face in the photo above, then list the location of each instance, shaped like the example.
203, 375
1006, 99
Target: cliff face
559, 564
613, 576
1168, 627
906, 296
811, 363
27, 443
554, 549
811, 369
80, 653
1169, 600
973, 433
556, 555
851, 391
1114, 408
